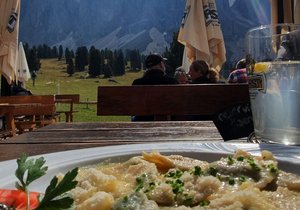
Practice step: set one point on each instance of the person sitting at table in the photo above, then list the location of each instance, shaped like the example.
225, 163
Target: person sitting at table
289, 46
239, 73
181, 76
155, 72
200, 73
155, 75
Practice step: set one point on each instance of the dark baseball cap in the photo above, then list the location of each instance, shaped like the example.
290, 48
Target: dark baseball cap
153, 59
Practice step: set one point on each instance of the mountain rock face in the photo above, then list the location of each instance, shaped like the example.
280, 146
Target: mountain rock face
143, 24
146, 25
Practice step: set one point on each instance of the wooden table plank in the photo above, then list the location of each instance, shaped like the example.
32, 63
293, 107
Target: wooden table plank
139, 132
67, 136
117, 135
121, 125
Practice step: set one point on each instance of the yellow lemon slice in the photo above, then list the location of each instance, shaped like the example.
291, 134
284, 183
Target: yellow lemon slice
261, 67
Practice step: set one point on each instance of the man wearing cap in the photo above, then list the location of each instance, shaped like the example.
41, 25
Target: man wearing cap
154, 75
155, 72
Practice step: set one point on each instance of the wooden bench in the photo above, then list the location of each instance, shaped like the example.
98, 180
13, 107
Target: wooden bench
70, 99
28, 111
163, 101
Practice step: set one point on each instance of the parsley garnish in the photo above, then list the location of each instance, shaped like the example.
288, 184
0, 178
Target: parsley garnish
55, 197
150, 187
125, 199
177, 185
188, 200
231, 181
33, 168
204, 203
240, 158
27, 172
174, 174
253, 165
197, 171
212, 171
230, 160
273, 169
140, 182
242, 178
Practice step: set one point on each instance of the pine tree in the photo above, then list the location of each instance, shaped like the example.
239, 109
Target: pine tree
135, 59
98, 63
70, 67
72, 54
60, 52
108, 55
80, 59
40, 52
107, 71
115, 64
67, 55
174, 55
138, 64
78, 62
85, 56
44, 51
33, 60
91, 55
78, 65
54, 52
93, 62
118, 63
102, 57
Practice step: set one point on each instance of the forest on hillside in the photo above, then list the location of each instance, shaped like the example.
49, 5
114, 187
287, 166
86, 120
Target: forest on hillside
100, 62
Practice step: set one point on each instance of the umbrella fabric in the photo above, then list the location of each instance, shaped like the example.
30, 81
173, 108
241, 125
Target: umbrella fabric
23, 73
201, 33
285, 11
9, 28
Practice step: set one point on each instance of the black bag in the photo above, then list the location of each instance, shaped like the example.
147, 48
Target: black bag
20, 91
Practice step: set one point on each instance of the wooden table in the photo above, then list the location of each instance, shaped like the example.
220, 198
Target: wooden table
67, 136
70, 99
9, 111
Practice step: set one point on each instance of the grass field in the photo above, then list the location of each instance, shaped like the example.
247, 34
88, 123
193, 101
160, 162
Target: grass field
53, 79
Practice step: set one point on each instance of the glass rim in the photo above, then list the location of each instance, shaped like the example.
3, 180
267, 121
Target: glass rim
269, 26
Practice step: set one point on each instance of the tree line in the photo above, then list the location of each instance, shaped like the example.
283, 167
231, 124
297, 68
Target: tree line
98, 62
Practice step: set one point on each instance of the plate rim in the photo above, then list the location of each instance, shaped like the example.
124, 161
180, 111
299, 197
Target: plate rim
59, 161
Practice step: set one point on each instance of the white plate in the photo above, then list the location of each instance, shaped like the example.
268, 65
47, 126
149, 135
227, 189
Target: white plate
60, 162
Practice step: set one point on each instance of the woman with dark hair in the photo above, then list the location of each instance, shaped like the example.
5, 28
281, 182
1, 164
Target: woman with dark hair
200, 73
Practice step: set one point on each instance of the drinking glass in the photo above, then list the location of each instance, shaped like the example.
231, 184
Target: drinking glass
273, 66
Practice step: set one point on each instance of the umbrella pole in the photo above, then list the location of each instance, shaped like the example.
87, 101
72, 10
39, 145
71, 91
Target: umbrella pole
5, 87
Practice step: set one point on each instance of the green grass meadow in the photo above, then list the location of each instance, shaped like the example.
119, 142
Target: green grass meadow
53, 79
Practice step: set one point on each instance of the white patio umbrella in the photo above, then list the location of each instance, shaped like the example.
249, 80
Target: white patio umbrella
9, 29
201, 34
23, 73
